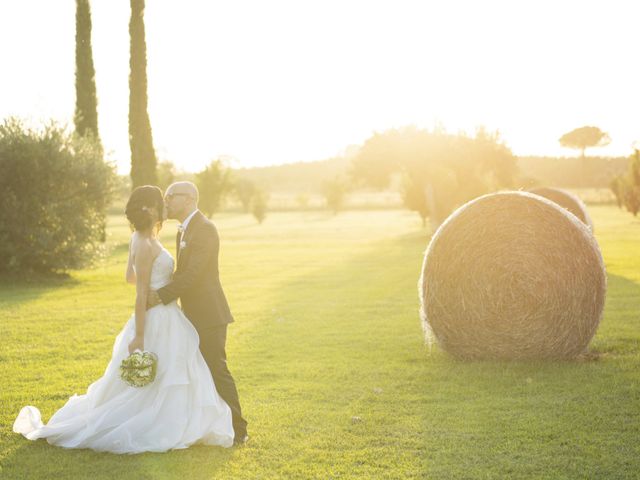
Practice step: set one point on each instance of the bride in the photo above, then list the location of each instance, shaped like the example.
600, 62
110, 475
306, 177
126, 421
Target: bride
181, 406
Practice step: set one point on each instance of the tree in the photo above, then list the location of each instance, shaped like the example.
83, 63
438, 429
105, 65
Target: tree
498, 165
86, 112
143, 156
244, 190
214, 183
439, 171
380, 156
259, 202
334, 192
583, 138
627, 187
414, 197
166, 174
617, 187
631, 198
302, 200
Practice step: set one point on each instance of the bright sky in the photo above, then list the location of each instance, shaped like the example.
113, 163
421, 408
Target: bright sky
280, 81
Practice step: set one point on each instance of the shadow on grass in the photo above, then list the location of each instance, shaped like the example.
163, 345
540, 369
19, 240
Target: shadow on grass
39, 460
533, 418
621, 318
622, 294
15, 290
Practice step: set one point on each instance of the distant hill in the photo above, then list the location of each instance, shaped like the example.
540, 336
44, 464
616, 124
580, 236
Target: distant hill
301, 177
572, 172
567, 172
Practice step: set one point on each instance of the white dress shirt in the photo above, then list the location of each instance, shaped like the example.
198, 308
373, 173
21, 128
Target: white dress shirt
183, 226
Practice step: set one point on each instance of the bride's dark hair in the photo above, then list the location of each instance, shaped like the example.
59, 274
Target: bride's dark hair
141, 201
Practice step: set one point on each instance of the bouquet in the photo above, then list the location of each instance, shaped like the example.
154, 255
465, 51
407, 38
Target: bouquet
139, 368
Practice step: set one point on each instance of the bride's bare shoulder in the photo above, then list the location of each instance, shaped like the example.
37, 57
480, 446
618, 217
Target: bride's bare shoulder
141, 246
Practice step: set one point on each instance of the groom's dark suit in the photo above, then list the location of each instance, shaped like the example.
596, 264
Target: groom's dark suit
197, 282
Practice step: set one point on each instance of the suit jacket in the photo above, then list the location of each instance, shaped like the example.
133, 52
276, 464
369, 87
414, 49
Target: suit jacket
196, 280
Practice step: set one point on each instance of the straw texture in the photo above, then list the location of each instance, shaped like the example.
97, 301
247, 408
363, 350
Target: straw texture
512, 275
566, 200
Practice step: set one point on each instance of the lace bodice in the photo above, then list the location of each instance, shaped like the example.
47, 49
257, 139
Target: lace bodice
161, 270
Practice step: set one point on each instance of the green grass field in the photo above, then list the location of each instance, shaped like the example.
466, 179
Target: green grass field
333, 374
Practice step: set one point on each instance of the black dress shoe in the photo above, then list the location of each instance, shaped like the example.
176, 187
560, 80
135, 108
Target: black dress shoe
241, 439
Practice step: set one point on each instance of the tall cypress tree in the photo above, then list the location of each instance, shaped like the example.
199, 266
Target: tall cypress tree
86, 114
143, 157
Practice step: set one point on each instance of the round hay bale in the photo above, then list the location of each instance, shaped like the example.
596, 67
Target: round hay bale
566, 200
512, 275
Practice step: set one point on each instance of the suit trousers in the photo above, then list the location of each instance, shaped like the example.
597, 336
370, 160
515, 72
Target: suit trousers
212, 347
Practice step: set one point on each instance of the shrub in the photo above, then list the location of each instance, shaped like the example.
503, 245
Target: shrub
616, 185
627, 187
334, 192
302, 200
55, 190
214, 184
259, 203
414, 197
244, 190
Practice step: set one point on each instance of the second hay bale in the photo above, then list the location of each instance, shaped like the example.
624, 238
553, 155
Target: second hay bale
566, 200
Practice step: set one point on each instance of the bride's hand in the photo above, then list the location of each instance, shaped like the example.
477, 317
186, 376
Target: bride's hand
136, 344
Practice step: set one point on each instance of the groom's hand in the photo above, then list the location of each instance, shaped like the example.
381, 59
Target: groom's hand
153, 299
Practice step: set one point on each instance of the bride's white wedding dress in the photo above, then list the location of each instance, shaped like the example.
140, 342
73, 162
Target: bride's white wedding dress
181, 407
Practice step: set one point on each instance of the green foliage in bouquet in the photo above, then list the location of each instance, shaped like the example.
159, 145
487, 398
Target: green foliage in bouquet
139, 368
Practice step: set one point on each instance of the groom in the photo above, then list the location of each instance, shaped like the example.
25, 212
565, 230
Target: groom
196, 282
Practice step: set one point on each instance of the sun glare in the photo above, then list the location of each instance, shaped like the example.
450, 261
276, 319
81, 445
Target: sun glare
285, 81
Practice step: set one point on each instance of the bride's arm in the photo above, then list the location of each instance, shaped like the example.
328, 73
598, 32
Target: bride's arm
130, 275
143, 261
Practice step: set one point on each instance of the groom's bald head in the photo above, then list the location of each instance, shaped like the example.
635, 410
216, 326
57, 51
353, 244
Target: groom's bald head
185, 187
180, 199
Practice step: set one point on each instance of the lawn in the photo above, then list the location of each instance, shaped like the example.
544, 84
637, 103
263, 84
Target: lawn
333, 374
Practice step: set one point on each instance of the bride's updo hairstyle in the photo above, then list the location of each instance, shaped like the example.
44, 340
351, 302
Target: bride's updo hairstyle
141, 201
